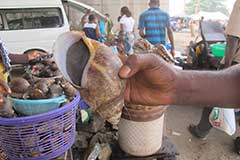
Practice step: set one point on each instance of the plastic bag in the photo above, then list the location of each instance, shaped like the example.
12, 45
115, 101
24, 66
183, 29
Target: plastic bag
223, 119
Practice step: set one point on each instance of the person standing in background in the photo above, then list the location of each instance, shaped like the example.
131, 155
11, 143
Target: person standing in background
101, 25
91, 27
127, 24
153, 24
108, 24
192, 28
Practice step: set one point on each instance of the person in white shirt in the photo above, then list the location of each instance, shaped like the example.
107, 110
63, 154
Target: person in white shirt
127, 24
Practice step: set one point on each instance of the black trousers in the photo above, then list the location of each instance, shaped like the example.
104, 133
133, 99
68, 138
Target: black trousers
204, 126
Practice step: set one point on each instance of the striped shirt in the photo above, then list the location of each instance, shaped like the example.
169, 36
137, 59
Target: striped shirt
154, 21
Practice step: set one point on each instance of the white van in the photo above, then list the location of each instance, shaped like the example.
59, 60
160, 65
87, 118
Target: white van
27, 25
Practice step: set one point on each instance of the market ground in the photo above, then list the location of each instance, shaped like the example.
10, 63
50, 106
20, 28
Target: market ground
218, 145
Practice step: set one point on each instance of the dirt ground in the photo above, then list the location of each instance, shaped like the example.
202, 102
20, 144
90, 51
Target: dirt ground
182, 40
218, 145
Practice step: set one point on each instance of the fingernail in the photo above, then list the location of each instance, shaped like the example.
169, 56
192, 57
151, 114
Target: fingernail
125, 71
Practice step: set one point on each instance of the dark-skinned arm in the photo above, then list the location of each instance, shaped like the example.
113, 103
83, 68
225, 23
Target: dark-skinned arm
84, 18
171, 39
220, 88
152, 81
141, 26
25, 58
19, 58
141, 33
99, 35
121, 27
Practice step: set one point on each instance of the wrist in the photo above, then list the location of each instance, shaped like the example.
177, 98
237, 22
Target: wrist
182, 88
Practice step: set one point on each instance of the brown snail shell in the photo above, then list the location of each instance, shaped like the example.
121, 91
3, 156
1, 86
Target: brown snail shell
93, 67
17, 95
30, 78
51, 63
19, 85
6, 109
37, 94
54, 66
55, 90
46, 73
48, 61
42, 86
57, 73
48, 82
69, 90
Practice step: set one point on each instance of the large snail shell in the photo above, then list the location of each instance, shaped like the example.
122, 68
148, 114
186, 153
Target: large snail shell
93, 67
104, 84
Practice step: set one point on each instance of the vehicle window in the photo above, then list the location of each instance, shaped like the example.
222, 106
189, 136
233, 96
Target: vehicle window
14, 20
1, 22
74, 17
34, 18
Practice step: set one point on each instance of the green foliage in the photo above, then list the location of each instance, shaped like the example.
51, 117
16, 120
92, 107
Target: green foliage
207, 5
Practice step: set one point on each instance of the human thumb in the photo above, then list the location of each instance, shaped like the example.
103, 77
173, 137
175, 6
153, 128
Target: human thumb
124, 71
131, 66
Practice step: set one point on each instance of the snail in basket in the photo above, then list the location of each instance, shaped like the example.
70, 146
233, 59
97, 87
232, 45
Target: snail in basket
93, 68
40, 89
19, 86
6, 109
45, 68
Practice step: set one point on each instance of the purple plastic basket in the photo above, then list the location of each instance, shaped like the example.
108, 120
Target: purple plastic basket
39, 137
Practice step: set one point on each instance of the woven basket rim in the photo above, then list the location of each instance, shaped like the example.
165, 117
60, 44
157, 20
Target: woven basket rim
39, 117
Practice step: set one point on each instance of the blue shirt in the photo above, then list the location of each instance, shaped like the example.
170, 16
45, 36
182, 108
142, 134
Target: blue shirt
154, 21
102, 27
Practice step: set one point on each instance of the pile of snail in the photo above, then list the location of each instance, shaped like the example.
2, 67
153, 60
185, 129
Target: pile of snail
40, 89
45, 68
